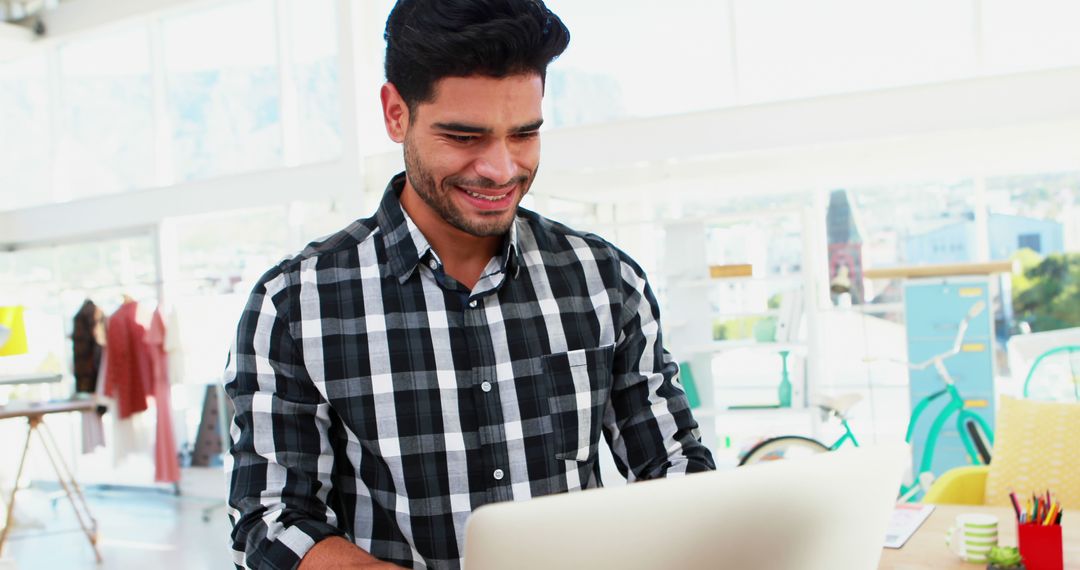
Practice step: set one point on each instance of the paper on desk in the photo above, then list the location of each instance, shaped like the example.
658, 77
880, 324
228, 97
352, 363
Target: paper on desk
906, 519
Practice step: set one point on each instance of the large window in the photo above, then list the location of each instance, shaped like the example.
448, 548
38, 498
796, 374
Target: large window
788, 48
1026, 35
313, 27
106, 115
24, 142
633, 58
223, 89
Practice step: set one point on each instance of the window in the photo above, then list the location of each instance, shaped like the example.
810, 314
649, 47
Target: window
315, 75
1029, 35
790, 48
223, 89
24, 124
106, 115
1030, 241
1037, 211
227, 252
915, 223
633, 58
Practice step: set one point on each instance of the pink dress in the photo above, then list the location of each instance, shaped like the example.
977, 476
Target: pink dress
166, 463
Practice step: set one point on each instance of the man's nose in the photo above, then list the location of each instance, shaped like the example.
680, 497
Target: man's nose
497, 163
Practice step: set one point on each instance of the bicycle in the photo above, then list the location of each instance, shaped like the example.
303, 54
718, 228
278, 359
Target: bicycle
975, 432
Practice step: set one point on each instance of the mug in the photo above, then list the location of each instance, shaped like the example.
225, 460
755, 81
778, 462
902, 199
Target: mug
972, 536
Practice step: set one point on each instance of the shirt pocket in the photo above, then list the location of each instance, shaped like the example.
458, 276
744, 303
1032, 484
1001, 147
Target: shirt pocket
579, 384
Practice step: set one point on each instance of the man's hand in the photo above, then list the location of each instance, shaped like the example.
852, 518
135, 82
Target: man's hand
339, 554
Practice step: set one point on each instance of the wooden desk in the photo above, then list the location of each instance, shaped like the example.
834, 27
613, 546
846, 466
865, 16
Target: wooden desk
34, 414
926, 550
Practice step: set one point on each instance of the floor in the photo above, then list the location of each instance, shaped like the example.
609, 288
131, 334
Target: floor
138, 528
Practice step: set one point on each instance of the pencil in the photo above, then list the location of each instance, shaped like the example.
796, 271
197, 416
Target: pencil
1015, 504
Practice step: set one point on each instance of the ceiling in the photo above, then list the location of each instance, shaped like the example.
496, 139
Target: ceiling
25, 12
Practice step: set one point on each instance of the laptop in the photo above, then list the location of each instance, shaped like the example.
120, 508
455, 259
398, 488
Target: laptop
825, 512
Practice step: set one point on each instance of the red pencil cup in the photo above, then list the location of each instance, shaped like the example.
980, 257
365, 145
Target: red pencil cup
1040, 546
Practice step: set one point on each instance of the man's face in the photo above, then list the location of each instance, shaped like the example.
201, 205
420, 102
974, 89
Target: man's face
471, 153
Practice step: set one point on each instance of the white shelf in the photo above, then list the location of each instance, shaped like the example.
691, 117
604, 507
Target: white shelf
726, 345
701, 282
799, 411
735, 315
47, 378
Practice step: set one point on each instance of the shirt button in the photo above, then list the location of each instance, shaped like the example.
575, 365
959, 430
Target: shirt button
472, 303
498, 474
486, 386
433, 264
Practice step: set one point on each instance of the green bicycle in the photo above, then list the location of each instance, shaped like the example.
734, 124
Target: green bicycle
974, 431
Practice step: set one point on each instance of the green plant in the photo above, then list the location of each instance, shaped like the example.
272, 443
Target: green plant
1047, 294
1004, 557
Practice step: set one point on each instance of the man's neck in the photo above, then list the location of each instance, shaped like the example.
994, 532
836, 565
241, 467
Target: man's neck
464, 255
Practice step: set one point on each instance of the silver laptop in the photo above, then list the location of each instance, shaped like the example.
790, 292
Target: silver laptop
826, 512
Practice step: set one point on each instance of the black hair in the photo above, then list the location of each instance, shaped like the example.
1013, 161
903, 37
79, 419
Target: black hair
427, 40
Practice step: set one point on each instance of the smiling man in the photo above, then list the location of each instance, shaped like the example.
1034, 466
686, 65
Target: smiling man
454, 349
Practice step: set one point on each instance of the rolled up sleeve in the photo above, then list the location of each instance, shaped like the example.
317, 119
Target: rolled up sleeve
649, 424
280, 461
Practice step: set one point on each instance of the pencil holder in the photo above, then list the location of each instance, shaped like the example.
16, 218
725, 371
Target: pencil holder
1040, 545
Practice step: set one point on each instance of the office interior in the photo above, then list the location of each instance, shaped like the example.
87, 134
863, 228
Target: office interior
820, 193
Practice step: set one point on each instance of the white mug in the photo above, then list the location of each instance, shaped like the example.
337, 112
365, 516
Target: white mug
972, 537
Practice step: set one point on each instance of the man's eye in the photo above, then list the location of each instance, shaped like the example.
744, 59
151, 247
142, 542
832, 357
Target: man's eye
527, 135
461, 138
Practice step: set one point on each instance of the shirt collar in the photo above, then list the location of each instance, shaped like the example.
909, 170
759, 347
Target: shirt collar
406, 245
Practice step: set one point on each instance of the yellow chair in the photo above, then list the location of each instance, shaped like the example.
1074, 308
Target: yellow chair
1034, 450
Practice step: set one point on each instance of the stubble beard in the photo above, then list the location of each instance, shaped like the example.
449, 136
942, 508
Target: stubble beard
439, 197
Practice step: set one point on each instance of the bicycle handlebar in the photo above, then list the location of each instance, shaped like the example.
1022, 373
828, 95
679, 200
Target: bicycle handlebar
961, 332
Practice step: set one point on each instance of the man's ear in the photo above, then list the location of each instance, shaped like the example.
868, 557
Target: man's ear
395, 112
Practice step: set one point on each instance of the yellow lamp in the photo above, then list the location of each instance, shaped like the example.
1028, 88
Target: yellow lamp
12, 331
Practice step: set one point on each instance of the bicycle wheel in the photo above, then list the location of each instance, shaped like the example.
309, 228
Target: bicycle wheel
783, 447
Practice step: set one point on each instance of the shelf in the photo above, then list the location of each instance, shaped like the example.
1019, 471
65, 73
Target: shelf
734, 315
765, 410
726, 345
702, 282
39, 378
942, 270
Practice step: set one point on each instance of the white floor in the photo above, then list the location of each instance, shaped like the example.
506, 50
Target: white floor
136, 528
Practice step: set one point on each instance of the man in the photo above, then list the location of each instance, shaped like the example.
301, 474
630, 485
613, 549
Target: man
453, 350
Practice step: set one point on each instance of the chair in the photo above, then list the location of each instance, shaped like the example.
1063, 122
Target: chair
1034, 451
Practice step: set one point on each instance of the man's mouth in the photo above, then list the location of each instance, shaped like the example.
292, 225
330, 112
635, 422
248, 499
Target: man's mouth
489, 198
493, 199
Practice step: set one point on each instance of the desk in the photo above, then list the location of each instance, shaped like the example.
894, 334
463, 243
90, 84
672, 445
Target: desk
34, 414
926, 550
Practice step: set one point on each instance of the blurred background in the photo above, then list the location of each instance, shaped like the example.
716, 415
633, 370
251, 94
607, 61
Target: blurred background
780, 168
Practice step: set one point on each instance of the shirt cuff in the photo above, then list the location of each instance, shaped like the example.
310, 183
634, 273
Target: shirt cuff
286, 551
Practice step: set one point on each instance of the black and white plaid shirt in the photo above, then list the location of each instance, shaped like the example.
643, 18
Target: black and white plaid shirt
378, 399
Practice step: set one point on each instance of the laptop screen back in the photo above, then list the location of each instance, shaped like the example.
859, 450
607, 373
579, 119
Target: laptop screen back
824, 512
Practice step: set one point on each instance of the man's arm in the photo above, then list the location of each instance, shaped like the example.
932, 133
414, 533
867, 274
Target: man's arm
281, 459
649, 425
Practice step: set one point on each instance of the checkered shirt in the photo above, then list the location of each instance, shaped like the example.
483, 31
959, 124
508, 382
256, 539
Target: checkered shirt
378, 399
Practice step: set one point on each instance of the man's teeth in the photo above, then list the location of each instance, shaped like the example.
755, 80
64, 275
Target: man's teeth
484, 197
